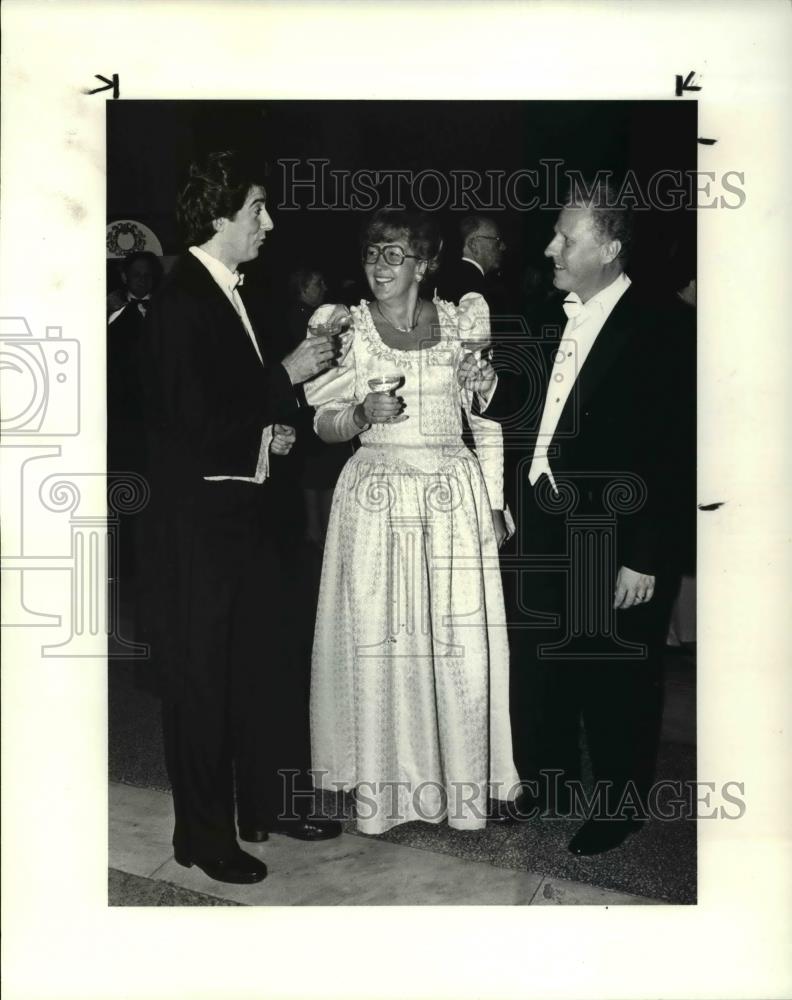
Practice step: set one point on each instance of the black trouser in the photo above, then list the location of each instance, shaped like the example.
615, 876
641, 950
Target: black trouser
619, 704
236, 698
612, 682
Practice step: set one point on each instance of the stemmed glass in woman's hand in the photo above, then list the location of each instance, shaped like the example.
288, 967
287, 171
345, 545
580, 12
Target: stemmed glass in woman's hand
388, 382
475, 371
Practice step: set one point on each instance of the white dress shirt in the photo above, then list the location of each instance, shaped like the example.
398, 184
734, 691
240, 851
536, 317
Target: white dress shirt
584, 322
228, 281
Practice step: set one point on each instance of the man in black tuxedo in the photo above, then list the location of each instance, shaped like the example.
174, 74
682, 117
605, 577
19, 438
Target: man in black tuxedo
593, 494
141, 272
482, 254
235, 700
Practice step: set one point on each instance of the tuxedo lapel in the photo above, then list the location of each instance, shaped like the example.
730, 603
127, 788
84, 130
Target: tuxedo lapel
610, 341
215, 300
257, 317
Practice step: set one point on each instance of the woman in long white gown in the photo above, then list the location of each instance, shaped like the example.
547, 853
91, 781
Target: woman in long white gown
410, 688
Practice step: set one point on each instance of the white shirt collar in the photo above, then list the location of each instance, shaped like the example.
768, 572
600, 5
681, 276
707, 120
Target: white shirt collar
225, 278
475, 263
605, 299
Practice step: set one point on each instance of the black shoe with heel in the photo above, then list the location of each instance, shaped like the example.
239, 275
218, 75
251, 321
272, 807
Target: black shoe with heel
238, 869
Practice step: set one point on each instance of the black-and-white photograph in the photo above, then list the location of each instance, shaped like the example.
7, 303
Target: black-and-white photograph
405, 392
394, 499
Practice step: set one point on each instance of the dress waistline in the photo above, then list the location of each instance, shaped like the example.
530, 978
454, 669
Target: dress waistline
389, 446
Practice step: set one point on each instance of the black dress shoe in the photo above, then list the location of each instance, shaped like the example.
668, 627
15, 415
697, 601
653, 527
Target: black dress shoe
599, 836
253, 834
240, 869
308, 829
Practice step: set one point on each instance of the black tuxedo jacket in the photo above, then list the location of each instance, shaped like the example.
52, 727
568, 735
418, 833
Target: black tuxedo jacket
459, 278
625, 421
206, 400
207, 395
124, 336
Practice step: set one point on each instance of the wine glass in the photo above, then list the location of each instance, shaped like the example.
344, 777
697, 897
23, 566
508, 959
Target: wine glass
388, 382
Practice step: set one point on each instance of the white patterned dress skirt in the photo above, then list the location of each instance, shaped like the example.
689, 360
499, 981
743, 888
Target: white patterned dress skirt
410, 686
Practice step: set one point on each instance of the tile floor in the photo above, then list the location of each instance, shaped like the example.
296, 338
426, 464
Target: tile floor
349, 871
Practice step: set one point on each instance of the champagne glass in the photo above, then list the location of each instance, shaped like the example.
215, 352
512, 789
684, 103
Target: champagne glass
322, 326
326, 330
388, 382
471, 339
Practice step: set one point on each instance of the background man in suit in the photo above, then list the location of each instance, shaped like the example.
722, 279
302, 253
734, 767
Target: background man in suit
141, 272
595, 509
235, 702
482, 254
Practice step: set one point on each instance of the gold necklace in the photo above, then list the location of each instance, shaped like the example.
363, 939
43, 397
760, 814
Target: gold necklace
400, 329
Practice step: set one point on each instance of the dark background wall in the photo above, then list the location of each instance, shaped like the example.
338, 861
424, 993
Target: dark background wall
150, 144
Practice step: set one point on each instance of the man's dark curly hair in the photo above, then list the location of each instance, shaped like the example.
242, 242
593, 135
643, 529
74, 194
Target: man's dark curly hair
216, 188
612, 220
386, 224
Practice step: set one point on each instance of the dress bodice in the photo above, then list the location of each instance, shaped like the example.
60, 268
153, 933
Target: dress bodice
429, 388
434, 400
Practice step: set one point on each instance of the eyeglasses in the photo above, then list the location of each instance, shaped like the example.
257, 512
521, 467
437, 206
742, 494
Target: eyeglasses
497, 239
393, 254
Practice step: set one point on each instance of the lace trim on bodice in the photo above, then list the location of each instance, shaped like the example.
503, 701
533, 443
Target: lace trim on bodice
365, 328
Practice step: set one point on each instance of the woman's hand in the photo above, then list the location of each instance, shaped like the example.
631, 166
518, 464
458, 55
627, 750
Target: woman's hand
476, 374
378, 408
499, 527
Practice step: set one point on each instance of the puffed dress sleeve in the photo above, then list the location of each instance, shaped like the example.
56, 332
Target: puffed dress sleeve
332, 394
473, 330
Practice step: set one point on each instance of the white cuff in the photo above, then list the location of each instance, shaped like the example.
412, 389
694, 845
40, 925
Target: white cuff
262, 463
